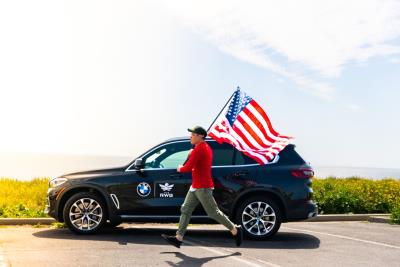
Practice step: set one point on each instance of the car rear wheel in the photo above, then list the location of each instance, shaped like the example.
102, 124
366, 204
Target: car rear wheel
84, 213
260, 217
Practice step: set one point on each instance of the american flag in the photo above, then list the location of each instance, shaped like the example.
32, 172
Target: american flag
247, 127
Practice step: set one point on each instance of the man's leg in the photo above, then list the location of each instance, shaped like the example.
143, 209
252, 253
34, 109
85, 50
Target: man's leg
207, 200
187, 208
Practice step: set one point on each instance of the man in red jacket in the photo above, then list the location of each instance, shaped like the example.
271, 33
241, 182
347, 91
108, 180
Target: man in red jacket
199, 164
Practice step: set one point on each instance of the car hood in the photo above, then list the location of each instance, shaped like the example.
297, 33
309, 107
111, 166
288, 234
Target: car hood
94, 173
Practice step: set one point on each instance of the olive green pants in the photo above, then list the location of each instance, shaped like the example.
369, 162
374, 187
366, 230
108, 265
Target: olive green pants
205, 197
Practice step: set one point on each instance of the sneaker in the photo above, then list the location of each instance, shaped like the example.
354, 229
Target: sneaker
172, 240
239, 235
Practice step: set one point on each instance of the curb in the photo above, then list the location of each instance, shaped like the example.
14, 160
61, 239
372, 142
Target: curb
377, 218
343, 217
22, 221
373, 217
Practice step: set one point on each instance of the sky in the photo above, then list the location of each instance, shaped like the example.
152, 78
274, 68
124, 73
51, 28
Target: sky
114, 78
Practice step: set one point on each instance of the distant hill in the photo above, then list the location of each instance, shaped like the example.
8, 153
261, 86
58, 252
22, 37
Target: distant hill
28, 166
365, 172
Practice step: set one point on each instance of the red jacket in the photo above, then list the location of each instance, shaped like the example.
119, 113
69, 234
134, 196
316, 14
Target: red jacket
199, 163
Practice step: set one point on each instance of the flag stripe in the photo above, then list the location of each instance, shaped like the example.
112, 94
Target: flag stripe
236, 139
252, 116
257, 157
246, 131
245, 144
239, 133
264, 116
242, 146
261, 118
225, 137
251, 131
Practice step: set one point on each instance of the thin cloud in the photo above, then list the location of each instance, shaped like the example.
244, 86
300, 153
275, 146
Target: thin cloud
394, 60
355, 107
308, 42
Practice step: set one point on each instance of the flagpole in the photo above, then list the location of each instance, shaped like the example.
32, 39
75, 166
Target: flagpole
238, 88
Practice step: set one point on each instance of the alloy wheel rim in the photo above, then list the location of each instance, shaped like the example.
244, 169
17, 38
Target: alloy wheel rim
258, 218
85, 214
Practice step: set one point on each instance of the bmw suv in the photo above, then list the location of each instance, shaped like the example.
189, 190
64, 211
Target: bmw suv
149, 189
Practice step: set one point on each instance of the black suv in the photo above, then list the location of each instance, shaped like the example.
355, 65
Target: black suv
150, 189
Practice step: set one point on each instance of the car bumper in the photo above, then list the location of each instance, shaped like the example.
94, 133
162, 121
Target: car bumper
301, 210
51, 200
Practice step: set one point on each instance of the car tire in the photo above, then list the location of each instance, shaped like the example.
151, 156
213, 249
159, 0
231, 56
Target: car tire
85, 213
260, 217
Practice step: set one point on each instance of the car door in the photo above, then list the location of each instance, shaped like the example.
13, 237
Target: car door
222, 167
170, 187
157, 188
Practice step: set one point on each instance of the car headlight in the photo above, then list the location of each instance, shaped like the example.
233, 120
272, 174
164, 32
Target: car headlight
57, 181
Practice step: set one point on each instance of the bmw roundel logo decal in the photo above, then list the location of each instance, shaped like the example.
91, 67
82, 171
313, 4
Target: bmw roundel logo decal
143, 189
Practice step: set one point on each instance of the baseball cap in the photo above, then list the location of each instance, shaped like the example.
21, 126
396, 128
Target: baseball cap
198, 130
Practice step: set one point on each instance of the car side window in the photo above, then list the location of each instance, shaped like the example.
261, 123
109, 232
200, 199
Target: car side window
242, 159
151, 160
175, 159
222, 154
168, 156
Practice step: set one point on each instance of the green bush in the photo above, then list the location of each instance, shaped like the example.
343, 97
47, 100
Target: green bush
23, 199
333, 195
395, 216
356, 195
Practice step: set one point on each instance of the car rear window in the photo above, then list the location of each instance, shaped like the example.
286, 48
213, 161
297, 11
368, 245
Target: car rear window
223, 154
288, 156
242, 159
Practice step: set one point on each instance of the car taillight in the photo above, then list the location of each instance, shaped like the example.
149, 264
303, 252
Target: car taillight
303, 173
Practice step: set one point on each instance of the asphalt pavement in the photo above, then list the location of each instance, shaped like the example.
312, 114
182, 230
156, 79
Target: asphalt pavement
296, 244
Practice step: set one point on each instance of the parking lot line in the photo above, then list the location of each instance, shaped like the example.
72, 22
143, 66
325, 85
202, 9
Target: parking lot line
198, 244
344, 237
215, 251
2, 260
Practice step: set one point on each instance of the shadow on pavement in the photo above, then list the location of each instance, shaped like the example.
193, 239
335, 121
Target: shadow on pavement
192, 261
152, 236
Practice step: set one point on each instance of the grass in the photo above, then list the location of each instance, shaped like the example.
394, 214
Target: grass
27, 199
395, 216
23, 199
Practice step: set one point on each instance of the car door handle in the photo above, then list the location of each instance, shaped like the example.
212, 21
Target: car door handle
242, 173
176, 175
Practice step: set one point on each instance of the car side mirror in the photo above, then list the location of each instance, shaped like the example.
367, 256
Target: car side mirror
139, 164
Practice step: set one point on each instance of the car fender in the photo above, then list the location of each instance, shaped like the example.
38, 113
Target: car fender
258, 189
110, 205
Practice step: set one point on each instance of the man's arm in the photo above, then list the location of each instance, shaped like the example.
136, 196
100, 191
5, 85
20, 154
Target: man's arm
187, 158
188, 166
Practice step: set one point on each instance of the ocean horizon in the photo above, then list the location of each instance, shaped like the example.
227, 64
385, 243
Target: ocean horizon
27, 167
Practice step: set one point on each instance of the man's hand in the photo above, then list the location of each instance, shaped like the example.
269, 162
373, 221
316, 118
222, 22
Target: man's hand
179, 168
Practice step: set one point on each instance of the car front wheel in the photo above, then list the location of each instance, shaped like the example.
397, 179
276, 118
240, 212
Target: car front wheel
260, 217
84, 213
